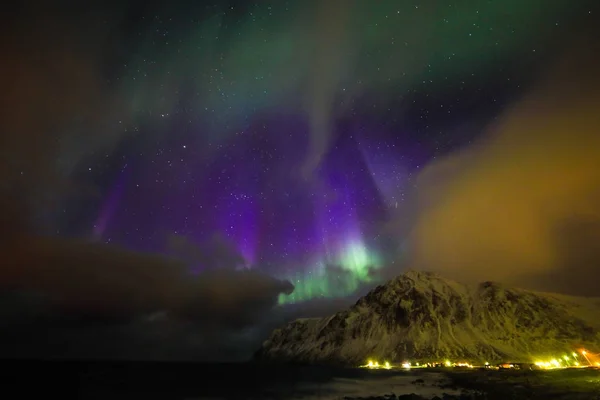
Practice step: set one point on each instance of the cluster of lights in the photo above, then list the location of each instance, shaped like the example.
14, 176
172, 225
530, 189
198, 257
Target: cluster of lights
375, 365
371, 364
448, 364
559, 362
566, 361
463, 365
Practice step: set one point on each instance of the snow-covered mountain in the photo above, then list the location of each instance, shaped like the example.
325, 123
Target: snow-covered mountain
422, 316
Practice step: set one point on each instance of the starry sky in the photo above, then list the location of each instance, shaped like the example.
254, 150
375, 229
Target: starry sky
271, 144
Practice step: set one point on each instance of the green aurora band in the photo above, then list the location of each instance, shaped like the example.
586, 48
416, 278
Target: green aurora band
337, 277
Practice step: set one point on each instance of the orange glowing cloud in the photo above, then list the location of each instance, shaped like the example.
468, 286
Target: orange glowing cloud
523, 204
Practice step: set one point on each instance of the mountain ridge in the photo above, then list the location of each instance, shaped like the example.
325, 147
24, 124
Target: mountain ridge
420, 315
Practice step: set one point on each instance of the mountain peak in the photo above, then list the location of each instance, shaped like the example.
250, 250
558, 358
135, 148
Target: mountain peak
417, 275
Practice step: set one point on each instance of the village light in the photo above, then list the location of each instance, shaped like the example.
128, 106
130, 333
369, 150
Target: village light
586, 357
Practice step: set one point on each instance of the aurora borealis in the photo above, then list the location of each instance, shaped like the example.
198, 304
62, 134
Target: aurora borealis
296, 144
237, 147
310, 231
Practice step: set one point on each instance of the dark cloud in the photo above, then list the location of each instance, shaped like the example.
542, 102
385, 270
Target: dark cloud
93, 291
96, 278
521, 205
240, 296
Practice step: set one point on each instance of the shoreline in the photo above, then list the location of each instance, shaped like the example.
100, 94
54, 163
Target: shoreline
81, 379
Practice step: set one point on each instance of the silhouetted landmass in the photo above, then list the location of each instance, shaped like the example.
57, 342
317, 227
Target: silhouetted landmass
422, 316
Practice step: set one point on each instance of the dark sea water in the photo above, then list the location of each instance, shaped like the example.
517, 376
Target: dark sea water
154, 380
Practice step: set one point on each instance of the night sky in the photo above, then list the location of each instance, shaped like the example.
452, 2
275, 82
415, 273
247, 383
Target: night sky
179, 179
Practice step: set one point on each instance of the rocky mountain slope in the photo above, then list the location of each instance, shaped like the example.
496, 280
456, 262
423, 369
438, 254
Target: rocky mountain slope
422, 316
